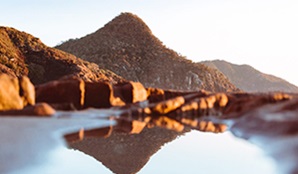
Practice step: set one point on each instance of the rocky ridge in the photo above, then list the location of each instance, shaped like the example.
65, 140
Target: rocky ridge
249, 79
127, 47
23, 54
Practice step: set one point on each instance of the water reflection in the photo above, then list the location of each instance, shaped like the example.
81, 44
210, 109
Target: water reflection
159, 150
64, 161
193, 152
209, 153
126, 153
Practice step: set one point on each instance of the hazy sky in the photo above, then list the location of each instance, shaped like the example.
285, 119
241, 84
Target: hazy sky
261, 33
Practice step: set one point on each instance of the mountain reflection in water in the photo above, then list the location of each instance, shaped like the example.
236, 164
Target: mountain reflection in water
174, 143
128, 148
194, 152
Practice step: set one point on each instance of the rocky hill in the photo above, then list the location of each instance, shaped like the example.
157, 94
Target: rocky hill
249, 79
127, 47
24, 54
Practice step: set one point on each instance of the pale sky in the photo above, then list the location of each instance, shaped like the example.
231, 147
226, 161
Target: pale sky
261, 33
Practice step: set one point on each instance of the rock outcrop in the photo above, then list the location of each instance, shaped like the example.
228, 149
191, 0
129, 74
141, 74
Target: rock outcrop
81, 95
127, 46
268, 119
23, 54
149, 107
249, 79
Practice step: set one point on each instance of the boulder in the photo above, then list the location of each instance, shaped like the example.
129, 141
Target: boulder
100, 95
155, 94
130, 92
27, 91
40, 109
63, 92
9, 93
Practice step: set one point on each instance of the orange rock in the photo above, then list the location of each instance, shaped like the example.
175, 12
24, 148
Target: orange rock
155, 95
201, 106
27, 91
241, 103
130, 92
167, 106
139, 92
100, 95
9, 93
40, 109
222, 99
68, 91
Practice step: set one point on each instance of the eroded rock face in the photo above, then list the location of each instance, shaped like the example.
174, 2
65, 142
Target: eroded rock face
83, 94
63, 91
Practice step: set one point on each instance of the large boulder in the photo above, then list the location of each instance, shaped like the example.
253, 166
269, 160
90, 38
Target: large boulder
130, 92
62, 92
27, 91
15, 93
39, 109
100, 95
9, 93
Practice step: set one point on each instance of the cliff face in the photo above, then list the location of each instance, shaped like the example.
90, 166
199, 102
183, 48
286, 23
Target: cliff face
249, 79
24, 54
127, 46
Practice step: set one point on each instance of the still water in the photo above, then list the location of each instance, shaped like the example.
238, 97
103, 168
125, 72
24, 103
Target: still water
193, 152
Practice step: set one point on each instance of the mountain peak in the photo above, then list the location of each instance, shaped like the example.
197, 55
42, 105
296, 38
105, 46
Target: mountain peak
127, 46
127, 24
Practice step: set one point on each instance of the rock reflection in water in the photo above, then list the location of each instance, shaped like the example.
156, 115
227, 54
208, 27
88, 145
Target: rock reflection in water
126, 153
128, 146
173, 152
